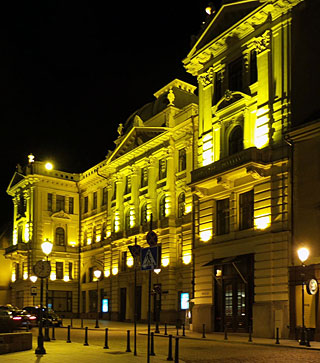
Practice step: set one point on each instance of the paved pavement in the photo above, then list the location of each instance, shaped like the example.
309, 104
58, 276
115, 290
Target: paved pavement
60, 351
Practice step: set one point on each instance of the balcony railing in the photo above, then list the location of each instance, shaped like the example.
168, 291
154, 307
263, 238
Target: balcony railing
230, 162
18, 247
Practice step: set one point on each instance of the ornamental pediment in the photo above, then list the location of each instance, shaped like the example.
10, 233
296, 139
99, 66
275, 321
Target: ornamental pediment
61, 215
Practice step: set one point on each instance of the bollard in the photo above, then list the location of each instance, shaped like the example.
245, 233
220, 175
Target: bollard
250, 334
106, 340
53, 335
152, 345
68, 338
176, 351
225, 332
203, 330
157, 328
170, 348
165, 329
46, 337
307, 338
277, 336
86, 336
183, 330
128, 341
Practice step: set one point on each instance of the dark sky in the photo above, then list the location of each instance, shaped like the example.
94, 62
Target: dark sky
71, 71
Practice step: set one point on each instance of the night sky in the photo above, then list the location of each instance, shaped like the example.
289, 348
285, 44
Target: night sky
71, 71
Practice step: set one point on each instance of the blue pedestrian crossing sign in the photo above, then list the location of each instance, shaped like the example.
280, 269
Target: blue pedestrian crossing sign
150, 258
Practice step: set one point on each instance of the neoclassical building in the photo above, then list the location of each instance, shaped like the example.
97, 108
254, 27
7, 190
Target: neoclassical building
91, 218
241, 187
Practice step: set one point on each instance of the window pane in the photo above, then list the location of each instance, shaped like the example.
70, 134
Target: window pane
228, 300
222, 216
235, 75
246, 208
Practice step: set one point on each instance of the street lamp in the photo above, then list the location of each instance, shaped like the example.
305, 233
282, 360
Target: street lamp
97, 274
46, 247
303, 254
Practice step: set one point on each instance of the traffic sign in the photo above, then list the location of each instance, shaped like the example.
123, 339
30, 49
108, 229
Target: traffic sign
33, 290
134, 250
150, 258
152, 238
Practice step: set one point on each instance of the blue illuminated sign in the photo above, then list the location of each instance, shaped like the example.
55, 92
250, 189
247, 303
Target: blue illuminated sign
105, 305
184, 301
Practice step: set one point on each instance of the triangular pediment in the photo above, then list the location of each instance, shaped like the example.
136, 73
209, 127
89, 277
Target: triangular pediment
17, 178
136, 137
60, 215
227, 16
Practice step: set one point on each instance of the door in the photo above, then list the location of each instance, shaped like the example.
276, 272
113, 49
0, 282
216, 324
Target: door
235, 305
123, 304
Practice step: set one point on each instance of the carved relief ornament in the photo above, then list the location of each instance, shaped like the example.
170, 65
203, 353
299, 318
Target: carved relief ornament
262, 43
206, 78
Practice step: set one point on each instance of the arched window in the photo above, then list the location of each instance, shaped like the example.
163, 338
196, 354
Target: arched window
236, 140
162, 207
60, 236
181, 204
144, 215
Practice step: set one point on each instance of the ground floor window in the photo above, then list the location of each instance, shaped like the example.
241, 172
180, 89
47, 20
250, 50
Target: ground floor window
60, 300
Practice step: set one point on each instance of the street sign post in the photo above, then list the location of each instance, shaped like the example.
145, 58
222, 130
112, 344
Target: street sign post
150, 258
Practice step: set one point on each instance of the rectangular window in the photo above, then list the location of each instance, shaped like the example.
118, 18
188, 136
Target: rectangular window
128, 184
60, 203
94, 200
124, 261
222, 216
59, 270
114, 195
70, 270
71, 205
162, 169
144, 177
104, 196
218, 87
90, 274
50, 202
17, 271
182, 160
86, 204
253, 67
246, 209
235, 75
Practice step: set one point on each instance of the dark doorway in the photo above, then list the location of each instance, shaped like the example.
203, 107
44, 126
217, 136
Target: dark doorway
123, 304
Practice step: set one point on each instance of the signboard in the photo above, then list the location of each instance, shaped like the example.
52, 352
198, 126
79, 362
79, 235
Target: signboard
312, 286
184, 301
150, 258
33, 290
134, 250
152, 238
105, 305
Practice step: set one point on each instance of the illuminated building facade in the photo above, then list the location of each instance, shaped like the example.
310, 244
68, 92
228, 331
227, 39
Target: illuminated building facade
241, 188
93, 217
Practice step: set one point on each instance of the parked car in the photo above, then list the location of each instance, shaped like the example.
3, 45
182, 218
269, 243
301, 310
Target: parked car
50, 316
23, 319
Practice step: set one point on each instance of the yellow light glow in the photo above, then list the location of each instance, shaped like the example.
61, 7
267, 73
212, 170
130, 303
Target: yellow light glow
108, 233
107, 273
46, 247
165, 261
53, 276
98, 238
33, 278
26, 233
129, 261
89, 241
186, 259
13, 277
262, 222
25, 275
115, 270
303, 254
66, 278
30, 158
15, 237
72, 243
97, 274
188, 209
206, 235
157, 270
218, 273
48, 166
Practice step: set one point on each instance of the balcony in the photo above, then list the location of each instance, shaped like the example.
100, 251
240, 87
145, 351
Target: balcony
228, 163
18, 249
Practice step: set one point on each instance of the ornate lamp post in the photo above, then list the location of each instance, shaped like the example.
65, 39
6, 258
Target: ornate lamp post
303, 254
97, 274
33, 279
46, 247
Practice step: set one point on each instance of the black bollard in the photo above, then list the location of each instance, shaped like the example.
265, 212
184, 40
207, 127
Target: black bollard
46, 337
176, 351
307, 338
128, 341
68, 338
277, 336
106, 340
225, 332
157, 328
152, 345
86, 336
53, 335
183, 330
165, 329
170, 348
203, 330
250, 334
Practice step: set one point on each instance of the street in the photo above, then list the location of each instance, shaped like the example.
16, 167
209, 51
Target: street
192, 350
